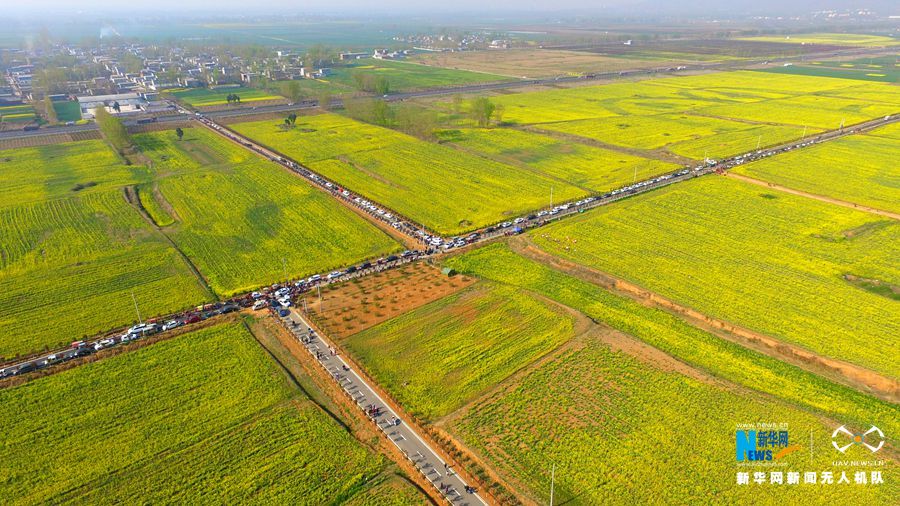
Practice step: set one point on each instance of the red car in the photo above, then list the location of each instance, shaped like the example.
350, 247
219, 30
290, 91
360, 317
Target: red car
194, 318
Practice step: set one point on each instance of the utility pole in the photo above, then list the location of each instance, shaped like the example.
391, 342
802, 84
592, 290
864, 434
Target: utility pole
136, 310
321, 304
552, 482
759, 142
804, 133
634, 180
284, 268
551, 196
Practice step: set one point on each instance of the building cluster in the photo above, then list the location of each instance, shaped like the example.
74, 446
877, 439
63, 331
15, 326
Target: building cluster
134, 68
457, 42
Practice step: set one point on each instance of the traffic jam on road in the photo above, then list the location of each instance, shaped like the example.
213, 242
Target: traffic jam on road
277, 297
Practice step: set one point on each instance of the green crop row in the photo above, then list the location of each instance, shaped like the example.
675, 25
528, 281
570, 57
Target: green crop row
436, 358
772, 262
668, 333
589, 167
856, 169
205, 417
446, 189
245, 222
71, 265
619, 430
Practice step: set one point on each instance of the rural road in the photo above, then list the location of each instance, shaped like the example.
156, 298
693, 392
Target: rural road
450, 485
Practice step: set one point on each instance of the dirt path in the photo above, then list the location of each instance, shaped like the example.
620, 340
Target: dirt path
845, 373
131, 197
654, 154
830, 200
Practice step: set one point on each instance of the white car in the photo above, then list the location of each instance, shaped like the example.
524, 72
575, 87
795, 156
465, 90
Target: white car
259, 305
171, 324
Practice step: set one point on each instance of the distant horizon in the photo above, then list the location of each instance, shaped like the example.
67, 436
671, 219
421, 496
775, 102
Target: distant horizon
399, 9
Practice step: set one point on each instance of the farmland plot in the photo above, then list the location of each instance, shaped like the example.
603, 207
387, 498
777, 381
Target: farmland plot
407, 76
441, 355
716, 114
203, 417
683, 134
73, 251
37, 174
826, 112
442, 188
203, 97
858, 168
589, 167
246, 222
677, 338
714, 244
838, 39
605, 419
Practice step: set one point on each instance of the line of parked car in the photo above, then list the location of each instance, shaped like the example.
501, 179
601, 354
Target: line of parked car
82, 348
380, 213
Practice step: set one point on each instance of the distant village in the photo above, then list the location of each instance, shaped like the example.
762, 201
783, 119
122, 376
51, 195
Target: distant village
132, 75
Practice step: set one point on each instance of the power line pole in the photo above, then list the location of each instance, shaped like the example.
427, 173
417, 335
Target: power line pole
759, 142
552, 482
551, 196
284, 268
136, 310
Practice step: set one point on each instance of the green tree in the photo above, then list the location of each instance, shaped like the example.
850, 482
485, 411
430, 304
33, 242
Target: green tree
382, 85
113, 130
293, 91
179, 133
416, 121
480, 110
51, 111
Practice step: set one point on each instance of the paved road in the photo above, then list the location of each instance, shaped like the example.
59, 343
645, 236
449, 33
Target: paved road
449, 484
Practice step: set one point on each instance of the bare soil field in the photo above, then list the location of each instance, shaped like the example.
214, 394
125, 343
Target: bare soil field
713, 47
530, 63
362, 303
46, 140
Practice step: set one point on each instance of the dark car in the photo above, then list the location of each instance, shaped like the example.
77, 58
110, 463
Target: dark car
24, 369
351, 269
365, 265
229, 308
392, 258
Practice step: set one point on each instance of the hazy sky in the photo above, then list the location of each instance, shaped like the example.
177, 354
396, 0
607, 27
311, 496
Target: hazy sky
397, 8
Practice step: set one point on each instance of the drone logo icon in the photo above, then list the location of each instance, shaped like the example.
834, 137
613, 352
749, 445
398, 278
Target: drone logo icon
857, 439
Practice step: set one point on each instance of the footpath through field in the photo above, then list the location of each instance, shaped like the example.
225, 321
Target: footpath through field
830, 200
447, 481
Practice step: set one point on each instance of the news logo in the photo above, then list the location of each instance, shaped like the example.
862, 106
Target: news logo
856, 439
761, 445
